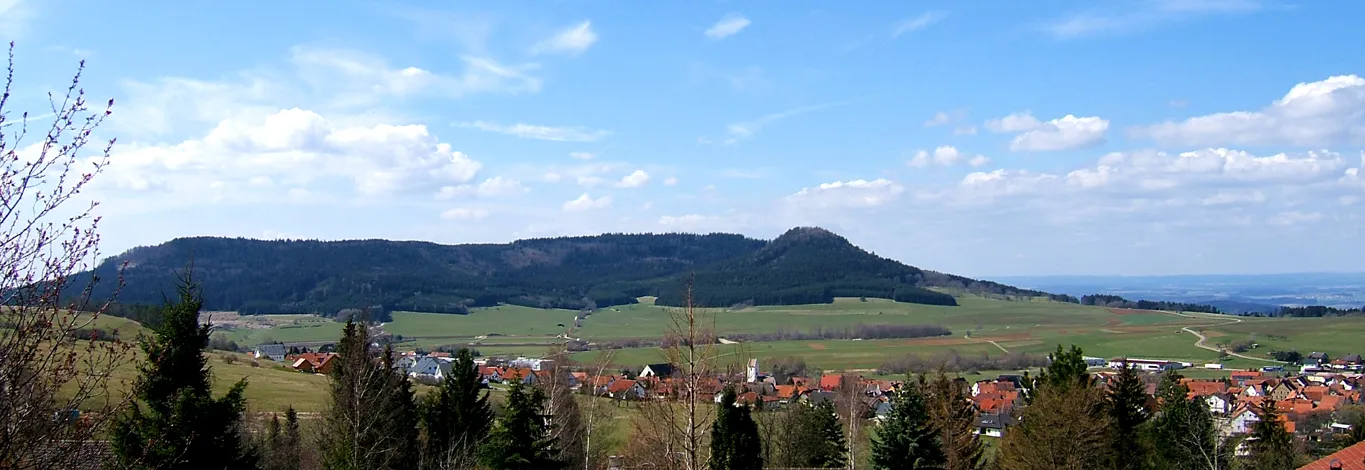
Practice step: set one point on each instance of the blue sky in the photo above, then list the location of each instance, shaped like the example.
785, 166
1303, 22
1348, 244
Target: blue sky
980, 138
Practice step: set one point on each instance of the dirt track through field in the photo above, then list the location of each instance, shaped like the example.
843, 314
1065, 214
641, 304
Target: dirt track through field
1200, 343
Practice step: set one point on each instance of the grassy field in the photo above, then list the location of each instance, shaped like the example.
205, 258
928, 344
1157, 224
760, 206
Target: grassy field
979, 325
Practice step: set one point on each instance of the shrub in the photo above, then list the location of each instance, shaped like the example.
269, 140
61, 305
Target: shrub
228, 358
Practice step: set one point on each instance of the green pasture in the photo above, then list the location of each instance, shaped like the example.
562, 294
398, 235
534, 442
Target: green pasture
1337, 336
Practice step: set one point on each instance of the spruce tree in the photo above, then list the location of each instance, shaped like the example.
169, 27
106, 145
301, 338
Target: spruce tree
281, 450
456, 416
521, 438
734, 437
1270, 445
371, 419
176, 423
810, 436
1184, 432
906, 439
1127, 401
953, 414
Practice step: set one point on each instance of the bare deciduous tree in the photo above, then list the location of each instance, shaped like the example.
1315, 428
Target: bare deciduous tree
47, 236
673, 430
853, 408
597, 423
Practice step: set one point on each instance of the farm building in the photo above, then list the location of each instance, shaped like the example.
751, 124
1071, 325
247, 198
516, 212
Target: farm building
1145, 364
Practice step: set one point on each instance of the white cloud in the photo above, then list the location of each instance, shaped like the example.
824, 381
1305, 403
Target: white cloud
671, 181
729, 25
529, 131
463, 213
914, 24
946, 117
496, 186
590, 181
1327, 112
572, 40
635, 179
1292, 218
15, 17
848, 194
586, 203
746, 129
1066, 133
359, 78
582, 155
1228, 197
945, 155
292, 150
1129, 17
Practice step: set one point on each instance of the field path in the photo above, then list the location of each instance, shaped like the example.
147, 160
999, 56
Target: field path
993, 343
1201, 342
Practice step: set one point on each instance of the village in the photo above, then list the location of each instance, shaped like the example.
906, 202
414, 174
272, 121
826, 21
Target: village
1305, 400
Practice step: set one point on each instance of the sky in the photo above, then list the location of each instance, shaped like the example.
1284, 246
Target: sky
1136, 137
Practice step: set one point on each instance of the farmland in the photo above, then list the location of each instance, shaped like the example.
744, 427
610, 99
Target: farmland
979, 326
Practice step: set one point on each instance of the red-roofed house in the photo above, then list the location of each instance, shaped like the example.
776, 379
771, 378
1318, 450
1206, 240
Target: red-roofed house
830, 382
626, 390
1350, 458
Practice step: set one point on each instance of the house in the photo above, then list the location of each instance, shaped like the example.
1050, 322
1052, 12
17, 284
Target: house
274, 352
1219, 403
819, 396
1350, 458
830, 382
625, 390
882, 411
1241, 377
657, 370
313, 363
1353, 359
1318, 358
993, 424
1240, 420
430, 367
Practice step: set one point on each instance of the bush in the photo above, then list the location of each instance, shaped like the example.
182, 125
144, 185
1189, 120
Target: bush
228, 358
255, 363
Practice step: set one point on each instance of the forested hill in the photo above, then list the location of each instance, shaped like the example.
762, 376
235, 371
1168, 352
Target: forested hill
805, 265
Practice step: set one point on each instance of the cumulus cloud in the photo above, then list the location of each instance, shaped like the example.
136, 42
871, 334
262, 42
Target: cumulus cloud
918, 22
1066, 133
293, 148
635, 179
1322, 113
586, 203
848, 194
530, 131
463, 213
728, 25
945, 155
571, 41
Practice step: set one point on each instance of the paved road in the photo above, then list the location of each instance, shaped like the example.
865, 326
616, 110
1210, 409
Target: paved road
1201, 342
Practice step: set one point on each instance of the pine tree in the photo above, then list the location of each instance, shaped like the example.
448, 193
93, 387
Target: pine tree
906, 439
371, 420
456, 416
521, 439
1270, 445
954, 416
176, 422
1066, 368
734, 437
1127, 401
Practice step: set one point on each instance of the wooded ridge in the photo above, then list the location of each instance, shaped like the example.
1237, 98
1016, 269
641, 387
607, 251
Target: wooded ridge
803, 266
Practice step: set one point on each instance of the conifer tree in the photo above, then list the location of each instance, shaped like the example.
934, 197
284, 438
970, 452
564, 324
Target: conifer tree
456, 416
282, 449
953, 414
734, 437
521, 438
1184, 433
176, 422
1064, 428
1270, 445
371, 419
810, 436
1127, 401
907, 439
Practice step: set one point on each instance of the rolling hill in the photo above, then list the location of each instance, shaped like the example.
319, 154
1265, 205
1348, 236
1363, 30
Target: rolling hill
805, 265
